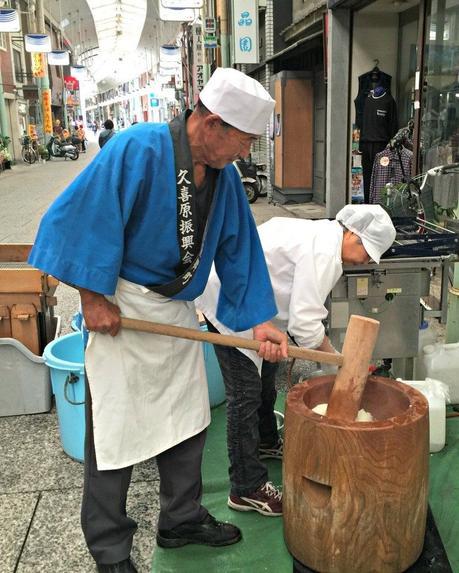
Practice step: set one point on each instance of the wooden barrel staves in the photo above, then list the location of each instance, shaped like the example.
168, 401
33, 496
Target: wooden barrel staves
355, 493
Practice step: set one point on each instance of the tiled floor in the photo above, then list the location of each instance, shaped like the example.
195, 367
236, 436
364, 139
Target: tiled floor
40, 495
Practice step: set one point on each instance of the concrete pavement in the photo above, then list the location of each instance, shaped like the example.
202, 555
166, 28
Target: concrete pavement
40, 487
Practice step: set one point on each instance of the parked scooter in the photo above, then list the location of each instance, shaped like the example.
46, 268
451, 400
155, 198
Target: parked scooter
248, 173
262, 178
58, 148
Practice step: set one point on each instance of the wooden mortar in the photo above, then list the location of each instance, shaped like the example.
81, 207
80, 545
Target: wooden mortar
355, 493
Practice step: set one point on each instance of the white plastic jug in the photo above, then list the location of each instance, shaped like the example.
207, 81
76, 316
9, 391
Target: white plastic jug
441, 362
427, 336
436, 394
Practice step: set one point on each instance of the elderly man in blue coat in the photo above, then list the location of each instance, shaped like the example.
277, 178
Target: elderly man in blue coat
137, 233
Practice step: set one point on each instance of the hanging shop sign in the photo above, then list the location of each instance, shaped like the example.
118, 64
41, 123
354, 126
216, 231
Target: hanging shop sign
78, 71
210, 41
58, 58
9, 20
182, 3
37, 43
176, 14
198, 60
171, 66
47, 115
245, 26
210, 26
169, 53
72, 100
38, 65
71, 83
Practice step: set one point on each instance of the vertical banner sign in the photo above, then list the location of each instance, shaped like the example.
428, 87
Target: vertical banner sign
198, 60
245, 26
210, 30
38, 64
47, 116
179, 77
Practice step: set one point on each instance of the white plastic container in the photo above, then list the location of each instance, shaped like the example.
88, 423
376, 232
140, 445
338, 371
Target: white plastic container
427, 336
24, 378
437, 395
441, 362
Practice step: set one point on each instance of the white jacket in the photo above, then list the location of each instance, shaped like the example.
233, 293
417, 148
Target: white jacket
304, 262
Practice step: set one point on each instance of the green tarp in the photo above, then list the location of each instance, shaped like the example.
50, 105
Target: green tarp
262, 548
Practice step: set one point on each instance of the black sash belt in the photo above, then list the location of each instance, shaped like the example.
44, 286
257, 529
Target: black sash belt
190, 245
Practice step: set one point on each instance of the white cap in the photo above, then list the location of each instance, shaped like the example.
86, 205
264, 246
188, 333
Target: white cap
372, 224
238, 99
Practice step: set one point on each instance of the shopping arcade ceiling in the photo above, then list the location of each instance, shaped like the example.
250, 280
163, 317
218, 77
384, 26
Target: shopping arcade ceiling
115, 39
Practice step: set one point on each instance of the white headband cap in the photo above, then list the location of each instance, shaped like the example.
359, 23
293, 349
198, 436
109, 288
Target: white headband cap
372, 224
238, 99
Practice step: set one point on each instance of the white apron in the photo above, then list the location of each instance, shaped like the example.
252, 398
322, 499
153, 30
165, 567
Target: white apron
149, 392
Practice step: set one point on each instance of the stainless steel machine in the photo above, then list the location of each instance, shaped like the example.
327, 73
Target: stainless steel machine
397, 292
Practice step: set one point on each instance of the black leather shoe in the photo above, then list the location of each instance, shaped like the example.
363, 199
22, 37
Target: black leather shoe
126, 566
207, 532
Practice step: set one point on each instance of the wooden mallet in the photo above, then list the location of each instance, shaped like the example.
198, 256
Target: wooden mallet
350, 381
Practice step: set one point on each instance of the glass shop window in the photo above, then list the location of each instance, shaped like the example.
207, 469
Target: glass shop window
18, 72
440, 112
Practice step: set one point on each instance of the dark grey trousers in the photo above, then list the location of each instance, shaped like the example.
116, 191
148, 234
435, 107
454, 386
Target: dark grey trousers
251, 421
107, 528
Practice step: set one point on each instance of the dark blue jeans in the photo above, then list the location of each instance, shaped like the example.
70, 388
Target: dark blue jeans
250, 416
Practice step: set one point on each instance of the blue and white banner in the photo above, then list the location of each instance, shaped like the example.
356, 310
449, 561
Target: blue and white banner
245, 26
170, 53
58, 58
37, 43
176, 14
182, 3
9, 20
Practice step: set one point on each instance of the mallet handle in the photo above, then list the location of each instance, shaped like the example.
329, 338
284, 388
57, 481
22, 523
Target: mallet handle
226, 340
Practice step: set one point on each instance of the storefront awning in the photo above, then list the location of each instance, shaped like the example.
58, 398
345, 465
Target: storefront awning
349, 4
295, 45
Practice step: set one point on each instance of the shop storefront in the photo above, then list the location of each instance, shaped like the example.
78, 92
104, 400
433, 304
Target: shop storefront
403, 65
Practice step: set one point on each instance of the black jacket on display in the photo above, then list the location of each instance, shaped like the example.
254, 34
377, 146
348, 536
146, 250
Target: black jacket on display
367, 82
379, 121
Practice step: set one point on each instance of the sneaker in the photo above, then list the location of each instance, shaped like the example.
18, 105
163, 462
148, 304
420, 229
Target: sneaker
207, 532
275, 452
267, 500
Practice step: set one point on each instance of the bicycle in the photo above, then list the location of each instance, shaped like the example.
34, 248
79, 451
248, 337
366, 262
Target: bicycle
28, 153
410, 198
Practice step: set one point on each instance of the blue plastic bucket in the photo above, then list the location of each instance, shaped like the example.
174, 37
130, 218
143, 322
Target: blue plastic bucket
65, 358
214, 374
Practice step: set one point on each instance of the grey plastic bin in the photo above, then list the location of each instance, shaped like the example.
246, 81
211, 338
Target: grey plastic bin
25, 386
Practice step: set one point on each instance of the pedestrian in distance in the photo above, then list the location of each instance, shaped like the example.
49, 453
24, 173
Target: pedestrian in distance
137, 233
305, 260
107, 133
58, 130
80, 133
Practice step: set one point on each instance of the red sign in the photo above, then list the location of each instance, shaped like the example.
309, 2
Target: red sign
71, 83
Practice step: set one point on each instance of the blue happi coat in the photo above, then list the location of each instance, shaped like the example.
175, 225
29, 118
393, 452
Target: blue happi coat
118, 218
